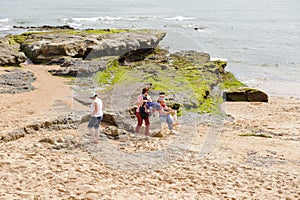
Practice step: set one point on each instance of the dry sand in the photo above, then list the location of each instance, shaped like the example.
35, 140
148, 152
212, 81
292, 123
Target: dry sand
217, 163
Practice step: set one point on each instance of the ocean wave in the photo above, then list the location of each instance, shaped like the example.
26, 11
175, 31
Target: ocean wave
179, 18
5, 28
4, 20
74, 25
216, 58
95, 19
196, 27
110, 20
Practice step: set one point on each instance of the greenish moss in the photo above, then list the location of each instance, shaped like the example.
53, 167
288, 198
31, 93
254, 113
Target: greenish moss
14, 39
221, 64
229, 81
180, 77
255, 135
201, 80
211, 105
114, 73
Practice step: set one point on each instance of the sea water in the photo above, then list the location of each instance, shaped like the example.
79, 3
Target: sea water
258, 38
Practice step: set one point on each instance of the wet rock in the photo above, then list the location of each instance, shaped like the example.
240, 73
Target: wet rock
44, 27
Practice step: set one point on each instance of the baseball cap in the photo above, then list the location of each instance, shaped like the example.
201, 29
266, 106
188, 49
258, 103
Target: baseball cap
93, 94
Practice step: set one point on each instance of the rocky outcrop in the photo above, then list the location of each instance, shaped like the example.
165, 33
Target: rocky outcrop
15, 81
59, 123
121, 43
245, 94
45, 47
77, 67
9, 54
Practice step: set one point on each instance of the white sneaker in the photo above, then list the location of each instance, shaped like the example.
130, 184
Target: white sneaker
174, 132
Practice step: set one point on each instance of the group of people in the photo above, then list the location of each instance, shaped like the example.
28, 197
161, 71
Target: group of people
145, 106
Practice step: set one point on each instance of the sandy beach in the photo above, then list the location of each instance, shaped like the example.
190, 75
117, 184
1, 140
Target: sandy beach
253, 155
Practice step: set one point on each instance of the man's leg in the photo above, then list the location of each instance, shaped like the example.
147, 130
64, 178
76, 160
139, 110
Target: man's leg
90, 126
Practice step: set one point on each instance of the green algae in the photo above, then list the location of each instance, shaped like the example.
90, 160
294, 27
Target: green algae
201, 79
229, 81
17, 39
180, 77
114, 73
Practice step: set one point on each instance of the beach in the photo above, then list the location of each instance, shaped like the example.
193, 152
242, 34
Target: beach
254, 154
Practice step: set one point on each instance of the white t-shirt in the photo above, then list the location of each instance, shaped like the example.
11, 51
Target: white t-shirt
99, 111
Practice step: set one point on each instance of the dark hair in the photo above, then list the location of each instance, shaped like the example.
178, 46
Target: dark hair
162, 93
146, 89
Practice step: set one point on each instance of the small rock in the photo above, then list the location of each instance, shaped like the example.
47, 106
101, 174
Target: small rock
47, 140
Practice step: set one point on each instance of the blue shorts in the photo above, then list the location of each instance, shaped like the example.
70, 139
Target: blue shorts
95, 122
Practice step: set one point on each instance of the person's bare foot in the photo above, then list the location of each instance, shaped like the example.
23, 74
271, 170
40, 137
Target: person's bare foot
176, 123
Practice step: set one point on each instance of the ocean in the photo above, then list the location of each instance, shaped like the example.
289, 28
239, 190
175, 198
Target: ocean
258, 38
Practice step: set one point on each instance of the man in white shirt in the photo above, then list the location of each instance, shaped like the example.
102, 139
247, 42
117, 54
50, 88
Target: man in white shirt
96, 117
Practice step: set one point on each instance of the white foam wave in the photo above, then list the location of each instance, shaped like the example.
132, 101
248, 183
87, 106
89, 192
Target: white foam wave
5, 28
110, 20
216, 58
179, 18
87, 19
4, 20
95, 19
74, 25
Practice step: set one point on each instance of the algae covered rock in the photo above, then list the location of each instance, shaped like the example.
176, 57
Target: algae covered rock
10, 54
46, 46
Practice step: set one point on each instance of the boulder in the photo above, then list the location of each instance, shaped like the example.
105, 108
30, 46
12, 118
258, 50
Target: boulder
122, 43
42, 48
245, 94
10, 55
112, 131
